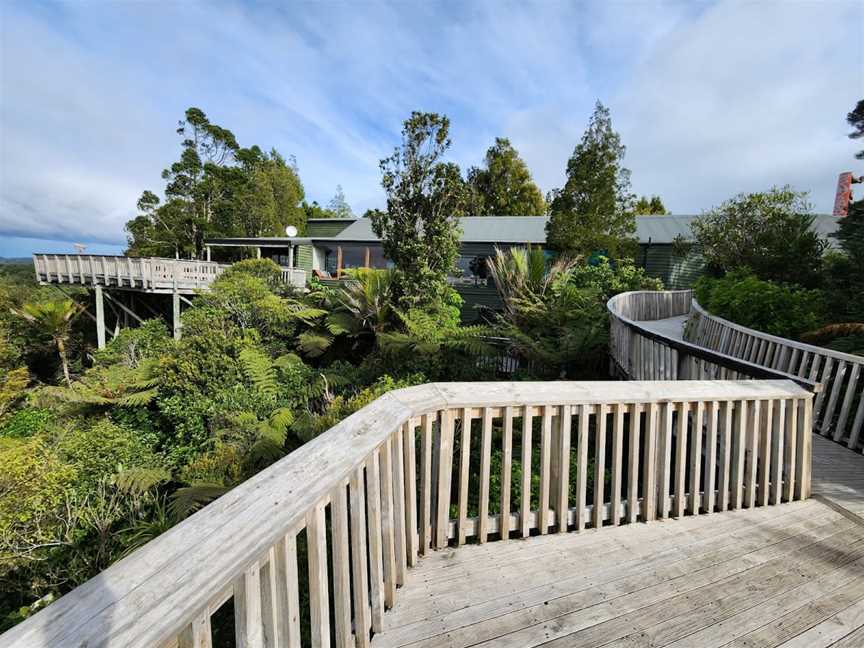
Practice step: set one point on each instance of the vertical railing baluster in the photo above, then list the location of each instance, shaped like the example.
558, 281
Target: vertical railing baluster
506, 472
562, 499
665, 470
388, 524
711, 457
197, 634
750, 474
269, 601
464, 474
777, 473
617, 461
791, 460
599, 464
359, 577
426, 484
765, 454
287, 591
409, 453
376, 556
681, 459
341, 567
319, 590
649, 499
805, 446
740, 449
445, 471
582, 467
525, 507
485, 461
545, 469
633, 462
696, 458
399, 530
248, 629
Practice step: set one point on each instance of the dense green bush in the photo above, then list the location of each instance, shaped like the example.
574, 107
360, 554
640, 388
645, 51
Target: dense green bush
766, 306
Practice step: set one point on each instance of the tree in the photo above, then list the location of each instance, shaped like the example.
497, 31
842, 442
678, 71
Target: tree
53, 319
503, 187
338, 206
419, 231
216, 188
856, 121
649, 206
592, 212
314, 210
768, 232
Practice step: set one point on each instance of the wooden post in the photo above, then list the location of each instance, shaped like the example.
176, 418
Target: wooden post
258, 253
366, 259
100, 318
175, 298
338, 261
208, 253
290, 256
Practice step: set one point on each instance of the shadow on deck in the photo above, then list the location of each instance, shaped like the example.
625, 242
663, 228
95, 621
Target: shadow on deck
791, 575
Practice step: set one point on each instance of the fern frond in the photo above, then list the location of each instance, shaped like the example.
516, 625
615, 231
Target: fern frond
314, 344
140, 480
258, 369
185, 501
138, 398
281, 419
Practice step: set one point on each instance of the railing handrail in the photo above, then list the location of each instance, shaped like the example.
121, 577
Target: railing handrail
801, 346
147, 598
694, 350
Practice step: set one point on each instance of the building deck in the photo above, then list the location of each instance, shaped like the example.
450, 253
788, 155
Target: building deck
789, 575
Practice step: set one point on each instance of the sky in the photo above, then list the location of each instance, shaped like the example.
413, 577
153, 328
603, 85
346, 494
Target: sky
710, 98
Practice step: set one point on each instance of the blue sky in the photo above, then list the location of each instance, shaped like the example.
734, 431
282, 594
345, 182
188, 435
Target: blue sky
710, 98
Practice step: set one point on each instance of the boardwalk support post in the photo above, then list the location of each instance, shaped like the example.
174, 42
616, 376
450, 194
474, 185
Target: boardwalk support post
100, 318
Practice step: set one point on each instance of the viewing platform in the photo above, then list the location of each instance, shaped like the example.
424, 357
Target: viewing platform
704, 509
145, 274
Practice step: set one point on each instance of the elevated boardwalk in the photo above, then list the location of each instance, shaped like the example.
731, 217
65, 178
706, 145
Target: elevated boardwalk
779, 576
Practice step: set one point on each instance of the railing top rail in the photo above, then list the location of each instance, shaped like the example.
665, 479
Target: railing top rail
146, 598
802, 346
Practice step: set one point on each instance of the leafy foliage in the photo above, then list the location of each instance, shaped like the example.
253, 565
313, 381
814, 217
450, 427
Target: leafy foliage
419, 231
592, 212
766, 306
503, 186
652, 206
763, 231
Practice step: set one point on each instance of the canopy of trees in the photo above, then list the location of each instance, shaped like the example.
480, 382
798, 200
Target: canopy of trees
503, 186
216, 188
652, 206
593, 211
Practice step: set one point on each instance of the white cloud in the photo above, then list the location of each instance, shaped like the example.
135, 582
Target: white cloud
710, 99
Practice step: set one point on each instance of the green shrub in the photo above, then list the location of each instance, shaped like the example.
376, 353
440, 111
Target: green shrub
766, 306
26, 422
264, 269
99, 449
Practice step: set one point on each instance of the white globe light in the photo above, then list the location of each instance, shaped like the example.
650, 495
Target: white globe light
291, 230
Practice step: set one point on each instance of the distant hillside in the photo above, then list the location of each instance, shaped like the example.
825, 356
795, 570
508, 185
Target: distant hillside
15, 260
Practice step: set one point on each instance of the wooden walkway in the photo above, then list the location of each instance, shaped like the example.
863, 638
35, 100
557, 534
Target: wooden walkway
789, 575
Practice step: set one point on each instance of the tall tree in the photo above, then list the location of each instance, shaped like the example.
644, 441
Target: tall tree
215, 188
593, 211
419, 229
856, 121
338, 206
770, 233
503, 187
652, 206
53, 319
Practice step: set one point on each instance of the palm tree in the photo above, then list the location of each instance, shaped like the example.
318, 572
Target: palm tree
53, 319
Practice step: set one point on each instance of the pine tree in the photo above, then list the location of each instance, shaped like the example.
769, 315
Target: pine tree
593, 211
503, 187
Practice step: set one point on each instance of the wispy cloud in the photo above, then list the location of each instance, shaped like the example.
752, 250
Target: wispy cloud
710, 98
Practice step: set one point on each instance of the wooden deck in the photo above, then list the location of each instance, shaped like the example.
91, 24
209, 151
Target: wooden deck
791, 575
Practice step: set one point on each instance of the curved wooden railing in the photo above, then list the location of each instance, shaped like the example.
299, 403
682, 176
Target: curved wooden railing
342, 518
838, 411
640, 352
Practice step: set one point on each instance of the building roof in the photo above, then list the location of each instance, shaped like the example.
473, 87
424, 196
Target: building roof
532, 229
522, 229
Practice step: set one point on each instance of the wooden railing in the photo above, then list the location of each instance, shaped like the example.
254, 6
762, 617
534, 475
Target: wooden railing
150, 274
340, 521
838, 411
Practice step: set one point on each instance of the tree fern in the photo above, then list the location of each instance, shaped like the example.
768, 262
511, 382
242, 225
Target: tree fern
258, 370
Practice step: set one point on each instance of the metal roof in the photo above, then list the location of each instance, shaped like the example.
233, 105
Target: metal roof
532, 229
523, 229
